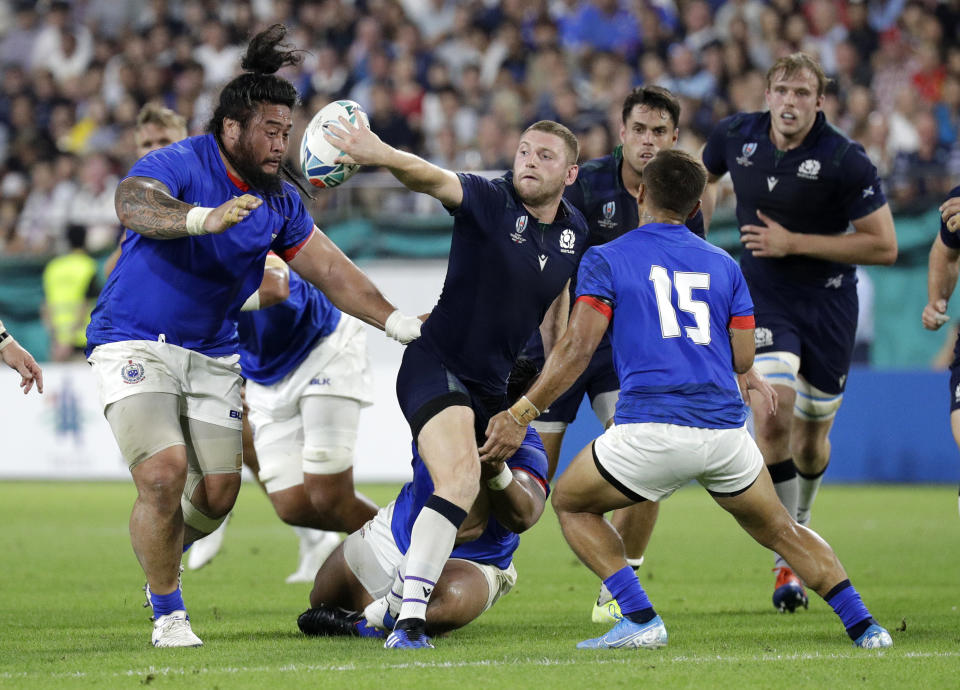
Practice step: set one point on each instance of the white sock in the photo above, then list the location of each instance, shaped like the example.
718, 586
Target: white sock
431, 541
808, 485
784, 475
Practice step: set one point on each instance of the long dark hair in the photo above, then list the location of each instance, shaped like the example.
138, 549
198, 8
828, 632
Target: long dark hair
258, 84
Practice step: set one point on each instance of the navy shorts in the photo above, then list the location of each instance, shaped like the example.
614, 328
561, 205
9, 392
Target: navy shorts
955, 382
599, 377
425, 387
816, 324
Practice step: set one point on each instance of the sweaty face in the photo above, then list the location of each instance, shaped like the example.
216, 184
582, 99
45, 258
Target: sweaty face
646, 131
261, 145
793, 104
151, 136
540, 167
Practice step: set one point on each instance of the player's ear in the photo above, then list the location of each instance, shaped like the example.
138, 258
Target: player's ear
231, 129
695, 209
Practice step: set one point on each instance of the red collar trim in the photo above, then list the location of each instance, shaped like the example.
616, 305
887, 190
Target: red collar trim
243, 186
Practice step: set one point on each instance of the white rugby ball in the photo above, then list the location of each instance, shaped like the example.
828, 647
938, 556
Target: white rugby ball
317, 155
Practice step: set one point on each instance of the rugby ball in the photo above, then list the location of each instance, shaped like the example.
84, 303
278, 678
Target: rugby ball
317, 156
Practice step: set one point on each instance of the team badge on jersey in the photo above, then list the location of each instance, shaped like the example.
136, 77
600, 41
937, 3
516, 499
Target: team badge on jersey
132, 372
809, 169
748, 150
519, 227
567, 240
956, 393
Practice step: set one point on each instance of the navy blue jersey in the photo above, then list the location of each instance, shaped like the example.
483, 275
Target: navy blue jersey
274, 341
951, 239
609, 208
505, 270
816, 188
674, 296
497, 543
188, 291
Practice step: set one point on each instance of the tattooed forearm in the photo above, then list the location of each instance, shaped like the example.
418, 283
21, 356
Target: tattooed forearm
146, 206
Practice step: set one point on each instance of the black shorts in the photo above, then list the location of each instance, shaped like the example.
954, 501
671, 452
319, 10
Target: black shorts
816, 324
425, 387
599, 377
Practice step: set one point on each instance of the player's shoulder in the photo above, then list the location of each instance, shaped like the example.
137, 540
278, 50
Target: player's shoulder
600, 166
742, 124
574, 214
955, 192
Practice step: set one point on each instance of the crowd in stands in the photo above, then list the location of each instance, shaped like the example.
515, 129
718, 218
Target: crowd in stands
455, 81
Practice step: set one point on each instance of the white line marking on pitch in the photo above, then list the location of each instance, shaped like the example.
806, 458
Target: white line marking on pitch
295, 668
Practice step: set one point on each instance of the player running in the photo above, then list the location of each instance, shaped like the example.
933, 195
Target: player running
201, 215
516, 243
680, 314
799, 184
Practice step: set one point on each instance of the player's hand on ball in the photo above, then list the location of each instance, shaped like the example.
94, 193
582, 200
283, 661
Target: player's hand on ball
228, 214
504, 436
359, 143
934, 315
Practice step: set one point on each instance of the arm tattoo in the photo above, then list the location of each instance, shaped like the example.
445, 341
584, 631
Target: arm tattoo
146, 206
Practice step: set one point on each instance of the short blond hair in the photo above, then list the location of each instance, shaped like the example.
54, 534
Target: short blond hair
789, 65
156, 114
555, 128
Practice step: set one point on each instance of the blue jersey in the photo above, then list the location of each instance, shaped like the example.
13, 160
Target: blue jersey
609, 209
816, 188
497, 543
274, 341
505, 270
673, 297
951, 239
188, 291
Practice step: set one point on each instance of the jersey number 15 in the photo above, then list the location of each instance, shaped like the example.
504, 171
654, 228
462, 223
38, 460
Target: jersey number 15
685, 283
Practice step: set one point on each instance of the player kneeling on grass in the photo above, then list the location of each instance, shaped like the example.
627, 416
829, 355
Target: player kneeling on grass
366, 572
671, 298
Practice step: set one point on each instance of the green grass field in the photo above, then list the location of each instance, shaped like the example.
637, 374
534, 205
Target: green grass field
71, 615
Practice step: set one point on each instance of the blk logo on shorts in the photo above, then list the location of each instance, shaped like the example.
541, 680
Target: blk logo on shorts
132, 372
236, 414
320, 381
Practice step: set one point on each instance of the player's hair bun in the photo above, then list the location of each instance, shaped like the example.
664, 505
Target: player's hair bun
267, 53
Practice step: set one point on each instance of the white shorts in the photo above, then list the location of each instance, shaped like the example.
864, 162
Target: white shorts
372, 555
208, 387
337, 367
652, 460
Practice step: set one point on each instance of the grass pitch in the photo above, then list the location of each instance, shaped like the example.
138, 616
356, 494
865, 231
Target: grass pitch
71, 615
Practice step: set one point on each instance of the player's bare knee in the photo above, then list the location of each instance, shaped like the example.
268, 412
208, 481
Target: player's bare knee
221, 493
160, 481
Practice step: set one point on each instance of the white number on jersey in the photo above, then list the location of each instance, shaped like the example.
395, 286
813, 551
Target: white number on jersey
685, 283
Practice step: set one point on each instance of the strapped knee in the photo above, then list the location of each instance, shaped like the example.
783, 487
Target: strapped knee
813, 404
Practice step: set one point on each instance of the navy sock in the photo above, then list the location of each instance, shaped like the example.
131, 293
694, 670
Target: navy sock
167, 603
845, 600
187, 547
628, 592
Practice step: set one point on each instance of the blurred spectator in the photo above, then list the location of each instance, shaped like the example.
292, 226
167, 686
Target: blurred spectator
43, 219
602, 25
70, 289
686, 77
92, 205
16, 46
386, 121
63, 45
903, 131
861, 35
919, 178
947, 111
697, 25
219, 59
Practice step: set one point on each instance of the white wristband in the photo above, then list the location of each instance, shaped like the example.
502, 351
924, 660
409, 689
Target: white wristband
502, 480
252, 303
196, 217
401, 327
